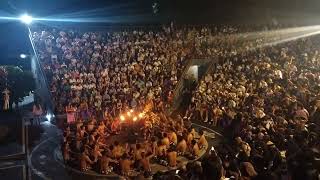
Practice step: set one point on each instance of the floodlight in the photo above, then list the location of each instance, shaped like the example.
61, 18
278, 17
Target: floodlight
26, 19
23, 56
122, 118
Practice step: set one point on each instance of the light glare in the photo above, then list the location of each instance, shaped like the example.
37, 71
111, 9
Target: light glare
122, 118
140, 115
26, 19
135, 119
23, 56
49, 116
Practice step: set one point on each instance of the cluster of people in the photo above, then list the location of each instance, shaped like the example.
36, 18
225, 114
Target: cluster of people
267, 102
112, 71
94, 72
265, 98
130, 147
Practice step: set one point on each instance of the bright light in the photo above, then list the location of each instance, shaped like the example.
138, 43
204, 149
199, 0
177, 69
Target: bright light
49, 116
135, 119
129, 113
140, 115
23, 56
26, 19
122, 118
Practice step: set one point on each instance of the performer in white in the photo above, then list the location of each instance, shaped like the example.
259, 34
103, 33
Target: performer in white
6, 99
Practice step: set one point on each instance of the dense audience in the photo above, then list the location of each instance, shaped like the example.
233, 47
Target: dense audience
98, 72
266, 99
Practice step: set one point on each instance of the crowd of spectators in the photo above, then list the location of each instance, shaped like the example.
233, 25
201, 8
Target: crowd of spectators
98, 72
267, 101
265, 98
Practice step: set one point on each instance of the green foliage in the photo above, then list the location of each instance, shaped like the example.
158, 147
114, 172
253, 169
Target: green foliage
20, 83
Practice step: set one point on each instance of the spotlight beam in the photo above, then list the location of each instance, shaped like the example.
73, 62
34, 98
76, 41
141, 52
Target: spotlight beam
293, 38
97, 11
272, 37
9, 18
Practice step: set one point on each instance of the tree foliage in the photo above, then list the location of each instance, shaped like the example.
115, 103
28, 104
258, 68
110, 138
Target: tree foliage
3, 73
20, 83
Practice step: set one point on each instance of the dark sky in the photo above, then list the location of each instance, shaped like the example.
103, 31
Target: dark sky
14, 35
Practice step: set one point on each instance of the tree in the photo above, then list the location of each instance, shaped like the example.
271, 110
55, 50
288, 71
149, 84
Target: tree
3, 74
20, 83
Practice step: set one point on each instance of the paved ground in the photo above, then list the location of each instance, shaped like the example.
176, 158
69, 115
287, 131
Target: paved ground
13, 172
42, 157
11, 141
12, 147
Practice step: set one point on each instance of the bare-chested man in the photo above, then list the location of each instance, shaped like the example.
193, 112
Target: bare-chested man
161, 150
165, 140
66, 152
172, 157
104, 163
78, 142
101, 129
144, 162
203, 143
137, 152
182, 145
154, 145
96, 153
190, 137
173, 137
117, 150
92, 138
195, 151
125, 165
85, 161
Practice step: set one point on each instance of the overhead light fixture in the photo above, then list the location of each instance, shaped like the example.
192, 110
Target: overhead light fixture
23, 56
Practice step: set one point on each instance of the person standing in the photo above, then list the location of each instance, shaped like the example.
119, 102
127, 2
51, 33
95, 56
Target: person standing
6, 99
37, 113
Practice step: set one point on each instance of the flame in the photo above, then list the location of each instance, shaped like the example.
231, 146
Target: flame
122, 118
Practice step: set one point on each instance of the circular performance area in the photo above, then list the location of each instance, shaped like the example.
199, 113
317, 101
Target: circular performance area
137, 142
